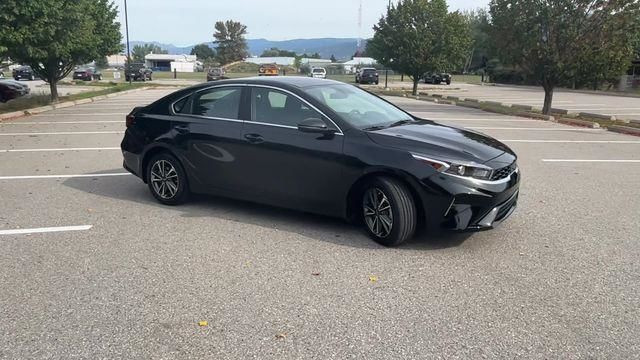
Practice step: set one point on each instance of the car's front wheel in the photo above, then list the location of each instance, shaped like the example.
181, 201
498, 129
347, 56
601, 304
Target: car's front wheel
389, 211
167, 180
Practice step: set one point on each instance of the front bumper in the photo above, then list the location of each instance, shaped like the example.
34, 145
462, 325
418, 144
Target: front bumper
470, 205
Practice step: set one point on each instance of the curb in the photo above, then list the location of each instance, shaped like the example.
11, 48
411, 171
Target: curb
598, 116
576, 122
66, 104
522, 107
624, 130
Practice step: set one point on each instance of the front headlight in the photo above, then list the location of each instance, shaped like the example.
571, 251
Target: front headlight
472, 170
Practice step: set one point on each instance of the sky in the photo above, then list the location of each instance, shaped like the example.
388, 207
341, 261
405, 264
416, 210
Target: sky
187, 22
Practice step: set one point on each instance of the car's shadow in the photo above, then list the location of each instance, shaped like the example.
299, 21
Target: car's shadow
333, 230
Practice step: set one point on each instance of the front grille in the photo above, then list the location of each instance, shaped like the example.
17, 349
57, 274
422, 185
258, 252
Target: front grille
503, 172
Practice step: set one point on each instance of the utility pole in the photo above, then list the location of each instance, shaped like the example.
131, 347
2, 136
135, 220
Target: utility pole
126, 26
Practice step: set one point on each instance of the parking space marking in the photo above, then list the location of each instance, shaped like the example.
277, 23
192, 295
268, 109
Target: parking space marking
63, 133
591, 160
57, 149
531, 129
45, 230
61, 122
574, 141
27, 177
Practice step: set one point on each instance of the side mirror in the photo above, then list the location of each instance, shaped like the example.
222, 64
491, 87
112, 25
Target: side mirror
314, 125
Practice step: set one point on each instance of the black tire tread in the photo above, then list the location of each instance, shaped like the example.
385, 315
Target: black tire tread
184, 194
406, 207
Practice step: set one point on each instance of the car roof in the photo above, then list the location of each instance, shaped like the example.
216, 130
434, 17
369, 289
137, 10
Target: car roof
284, 82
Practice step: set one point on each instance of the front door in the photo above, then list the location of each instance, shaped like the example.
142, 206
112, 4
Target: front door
284, 165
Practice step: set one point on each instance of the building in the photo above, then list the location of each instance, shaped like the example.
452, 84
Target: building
286, 61
117, 60
167, 62
357, 62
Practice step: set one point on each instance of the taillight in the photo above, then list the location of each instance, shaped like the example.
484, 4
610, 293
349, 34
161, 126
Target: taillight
130, 120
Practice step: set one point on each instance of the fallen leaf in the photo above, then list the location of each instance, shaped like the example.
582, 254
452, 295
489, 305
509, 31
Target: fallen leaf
373, 278
281, 336
315, 274
203, 323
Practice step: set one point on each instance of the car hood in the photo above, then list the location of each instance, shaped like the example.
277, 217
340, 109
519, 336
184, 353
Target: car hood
440, 141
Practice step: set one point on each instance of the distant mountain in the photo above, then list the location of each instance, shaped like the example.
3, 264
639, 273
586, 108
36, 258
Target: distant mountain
340, 48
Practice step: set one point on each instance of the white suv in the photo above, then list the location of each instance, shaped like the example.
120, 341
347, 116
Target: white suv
319, 73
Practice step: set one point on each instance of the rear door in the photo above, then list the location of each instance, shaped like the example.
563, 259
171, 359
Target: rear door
285, 166
208, 131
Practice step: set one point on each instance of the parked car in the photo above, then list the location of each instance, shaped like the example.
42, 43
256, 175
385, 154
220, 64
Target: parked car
10, 90
1, 74
24, 72
318, 73
433, 78
321, 146
87, 74
215, 74
367, 76
269, 70
138, 71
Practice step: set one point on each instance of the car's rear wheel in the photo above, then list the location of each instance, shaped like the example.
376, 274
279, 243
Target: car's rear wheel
389, 211
167, 180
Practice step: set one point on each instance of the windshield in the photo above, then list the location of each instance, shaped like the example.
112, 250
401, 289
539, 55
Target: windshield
357, 107
318, 70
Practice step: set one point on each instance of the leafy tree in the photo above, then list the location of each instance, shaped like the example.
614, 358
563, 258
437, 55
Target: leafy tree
102, 62
140, 51
417, 36
203, 52
275, 52
232, 45
54, 36
553, 40
481, 50
333, 58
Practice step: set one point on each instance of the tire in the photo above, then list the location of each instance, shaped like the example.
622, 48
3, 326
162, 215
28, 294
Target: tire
126, 78
172, 187
32, 78
399, 211
377, 82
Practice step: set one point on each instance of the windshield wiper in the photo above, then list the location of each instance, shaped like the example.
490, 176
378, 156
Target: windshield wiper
402, 122
397, 123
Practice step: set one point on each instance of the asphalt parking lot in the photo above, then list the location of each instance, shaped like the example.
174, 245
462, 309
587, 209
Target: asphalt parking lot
93, 267
623, 107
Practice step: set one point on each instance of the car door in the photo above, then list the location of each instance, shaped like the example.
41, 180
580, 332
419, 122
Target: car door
208, 135
285, 166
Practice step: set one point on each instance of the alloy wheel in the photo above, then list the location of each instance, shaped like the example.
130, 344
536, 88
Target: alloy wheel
378, 214
164, 179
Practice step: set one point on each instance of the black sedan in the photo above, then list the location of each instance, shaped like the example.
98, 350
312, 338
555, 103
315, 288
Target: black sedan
87, 74
321, 146
24, 72
10, 90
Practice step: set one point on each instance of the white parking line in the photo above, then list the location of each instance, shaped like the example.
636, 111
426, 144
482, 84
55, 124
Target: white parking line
494, 119
26, 177
63, 133
45, 230
574, 141
58, 149
530, 129
61, 122
591, 161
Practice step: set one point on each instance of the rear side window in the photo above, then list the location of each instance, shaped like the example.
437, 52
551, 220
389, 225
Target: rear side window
179, 106
221, 102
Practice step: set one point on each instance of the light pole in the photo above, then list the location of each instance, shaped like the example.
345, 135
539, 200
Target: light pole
126, 26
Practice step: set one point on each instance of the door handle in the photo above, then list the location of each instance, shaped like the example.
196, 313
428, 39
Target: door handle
254, 138
182, 129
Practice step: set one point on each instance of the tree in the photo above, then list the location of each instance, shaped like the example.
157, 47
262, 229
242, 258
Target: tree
229, 36
203, 52
140, 51
275, 52
417, 36
102, 62
333, 58
481, 50
54, 36
553, 40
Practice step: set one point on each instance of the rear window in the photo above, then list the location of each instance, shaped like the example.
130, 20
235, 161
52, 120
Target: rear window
318, 70
369, 71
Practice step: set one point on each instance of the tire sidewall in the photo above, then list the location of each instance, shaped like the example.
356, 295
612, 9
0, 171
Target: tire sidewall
183, 185
393, 238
